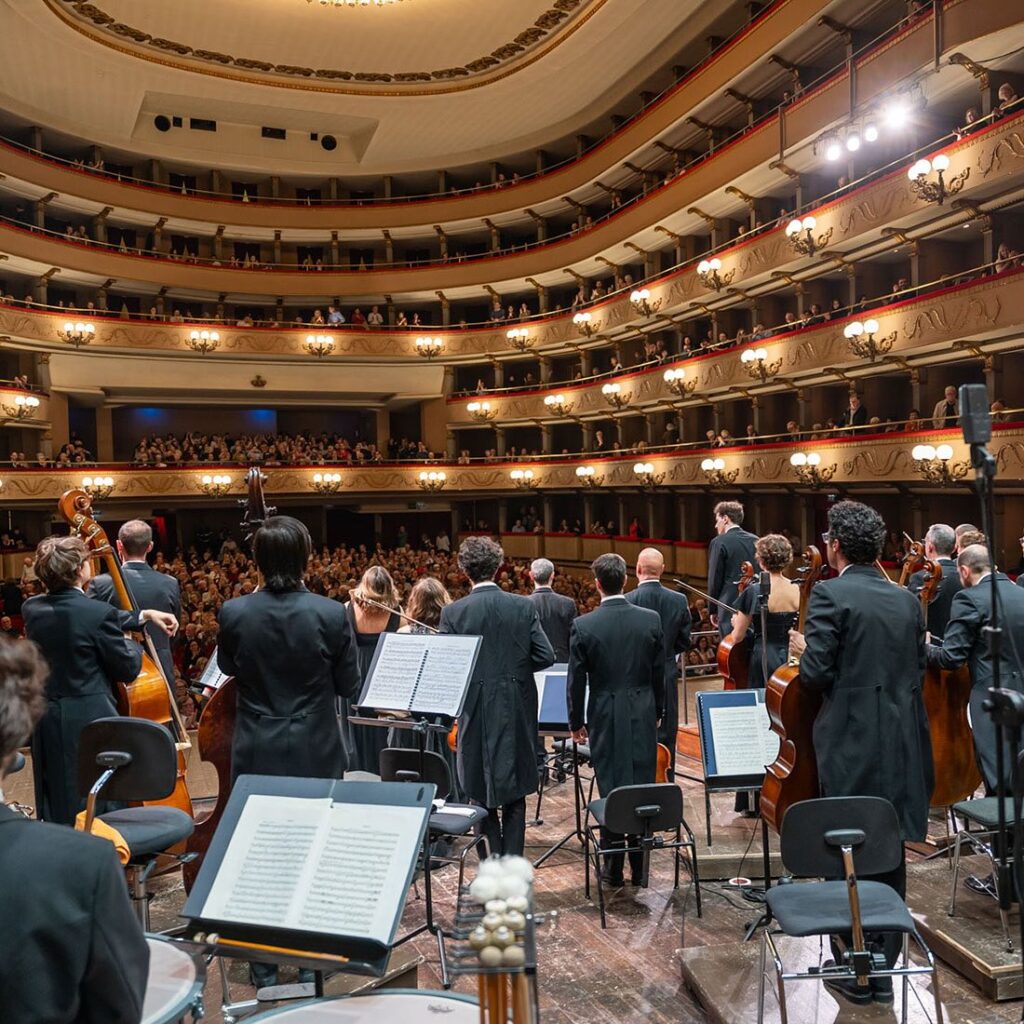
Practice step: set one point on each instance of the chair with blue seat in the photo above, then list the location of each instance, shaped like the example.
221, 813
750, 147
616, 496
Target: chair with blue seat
129, 760
822, 839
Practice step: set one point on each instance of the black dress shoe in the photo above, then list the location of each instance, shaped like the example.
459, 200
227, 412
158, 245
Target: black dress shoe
986, 886
881, 990
613, 880
845, 987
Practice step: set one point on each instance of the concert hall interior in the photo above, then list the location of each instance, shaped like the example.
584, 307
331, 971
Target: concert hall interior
604, 419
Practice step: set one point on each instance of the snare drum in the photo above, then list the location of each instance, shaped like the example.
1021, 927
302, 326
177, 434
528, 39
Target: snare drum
410, 1006
174, 989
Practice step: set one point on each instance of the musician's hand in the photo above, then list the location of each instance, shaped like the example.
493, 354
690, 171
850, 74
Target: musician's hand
579, 735
166, 621
714, 621
797, 644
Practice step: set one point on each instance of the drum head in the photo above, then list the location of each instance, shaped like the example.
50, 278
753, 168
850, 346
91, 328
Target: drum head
402, 1006
175, 982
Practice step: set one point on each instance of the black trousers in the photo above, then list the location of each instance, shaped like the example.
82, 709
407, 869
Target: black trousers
613, 863
889, 943
505, 828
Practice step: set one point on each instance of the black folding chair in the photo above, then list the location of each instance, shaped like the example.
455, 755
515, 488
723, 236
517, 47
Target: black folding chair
130, 760
818, 840
451, 823
641, 813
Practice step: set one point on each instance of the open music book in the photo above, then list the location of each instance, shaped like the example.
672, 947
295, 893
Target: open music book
735, 733
314, 864
425, 674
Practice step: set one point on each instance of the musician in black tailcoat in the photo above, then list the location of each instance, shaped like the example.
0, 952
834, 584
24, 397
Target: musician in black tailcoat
149, 588
497, 737
674, 611
726, 554
964, 641
555, 611
864, 650
87, 653
617, 651
939, 545
72, 950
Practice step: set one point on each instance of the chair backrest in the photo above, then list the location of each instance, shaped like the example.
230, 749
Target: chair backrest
635, 810
813, 832
151, 771
402, 764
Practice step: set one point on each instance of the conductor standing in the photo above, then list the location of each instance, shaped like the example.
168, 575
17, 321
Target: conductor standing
674, 611
617, 651
498, 729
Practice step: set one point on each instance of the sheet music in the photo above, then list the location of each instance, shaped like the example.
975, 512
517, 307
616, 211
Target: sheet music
446, 670
396, 667
744, 742
317, 866
212, 675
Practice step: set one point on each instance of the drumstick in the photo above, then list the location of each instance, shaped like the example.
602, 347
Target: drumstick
517, 1000
481, 996
502, 981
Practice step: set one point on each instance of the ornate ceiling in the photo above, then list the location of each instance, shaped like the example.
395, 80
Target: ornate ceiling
410, 87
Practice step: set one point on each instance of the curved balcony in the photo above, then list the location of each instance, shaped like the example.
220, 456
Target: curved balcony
769, 30
990, 307
871, 460
854, 220
756, 147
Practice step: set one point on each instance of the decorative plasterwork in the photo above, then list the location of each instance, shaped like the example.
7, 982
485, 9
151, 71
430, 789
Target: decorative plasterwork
547, 31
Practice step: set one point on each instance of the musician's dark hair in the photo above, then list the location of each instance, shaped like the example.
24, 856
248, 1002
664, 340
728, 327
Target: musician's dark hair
774, 552
732, 509
610, 571
943, 538
23, 674
58, 560
479, 558
282, 547
135, 537
859, 529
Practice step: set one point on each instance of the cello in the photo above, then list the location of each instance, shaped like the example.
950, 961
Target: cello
791, 710
216, 729
946, 694
734, 658
150, 694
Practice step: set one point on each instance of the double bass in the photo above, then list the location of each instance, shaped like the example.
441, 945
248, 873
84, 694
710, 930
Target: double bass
946, 693
792, 710
150, 694
734, 658
216, 729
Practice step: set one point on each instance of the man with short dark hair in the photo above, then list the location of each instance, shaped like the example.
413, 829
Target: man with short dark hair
939, 544
555, 611
726, 554
863, 650
965, 642
616, 652
497, 741
674, 611
149, 588
72, 950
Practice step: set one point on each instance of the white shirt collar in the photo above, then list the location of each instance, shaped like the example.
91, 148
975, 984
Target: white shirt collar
485, 583
642, 582
613, 597
732, 526
542, 586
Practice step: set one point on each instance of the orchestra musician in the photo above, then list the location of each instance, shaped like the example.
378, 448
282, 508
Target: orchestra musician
728, 550
73, 951
84, 645
292, 653
618, 652
965, 641
939, 545
674, 611
864, 649
555, 611
149, 588
497, 736
769, 650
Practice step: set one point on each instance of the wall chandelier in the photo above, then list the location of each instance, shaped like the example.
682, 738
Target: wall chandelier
355, 3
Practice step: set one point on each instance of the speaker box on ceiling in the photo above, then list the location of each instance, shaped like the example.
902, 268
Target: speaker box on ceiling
162, 123
329, 142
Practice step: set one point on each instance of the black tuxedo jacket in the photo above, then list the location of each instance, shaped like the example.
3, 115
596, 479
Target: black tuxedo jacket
726, 553
72, 951
496, 757
556, 613
865, 653
949, 587
87, 652
617, 650
857, 419
151, 589
965, 643
291, 653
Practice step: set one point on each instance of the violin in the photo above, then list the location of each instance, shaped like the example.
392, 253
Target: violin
794, 774
150, 694
946, 694
216, 730
734, 658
